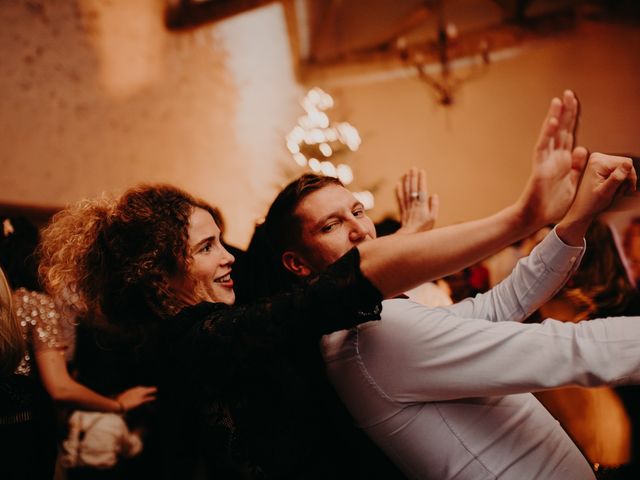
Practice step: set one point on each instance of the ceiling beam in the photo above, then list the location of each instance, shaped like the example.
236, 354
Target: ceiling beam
188, 14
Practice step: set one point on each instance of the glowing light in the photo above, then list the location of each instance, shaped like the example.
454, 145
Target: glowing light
314, 164
331, 134
366, 198
345, 174
325, 149
328, 169
300, 159
293, 147
315, 135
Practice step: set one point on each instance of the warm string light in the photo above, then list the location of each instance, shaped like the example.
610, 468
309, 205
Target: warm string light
315, 139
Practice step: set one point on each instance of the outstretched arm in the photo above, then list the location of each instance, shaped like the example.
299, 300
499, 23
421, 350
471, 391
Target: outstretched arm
449, 357
549, 192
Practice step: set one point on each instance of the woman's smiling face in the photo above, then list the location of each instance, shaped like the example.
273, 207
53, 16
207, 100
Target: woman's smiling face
209, 266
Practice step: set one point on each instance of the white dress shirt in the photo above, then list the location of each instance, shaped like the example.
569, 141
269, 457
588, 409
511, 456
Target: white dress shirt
445, 391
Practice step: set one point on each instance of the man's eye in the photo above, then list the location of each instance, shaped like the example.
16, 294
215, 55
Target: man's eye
358, 213
329, 227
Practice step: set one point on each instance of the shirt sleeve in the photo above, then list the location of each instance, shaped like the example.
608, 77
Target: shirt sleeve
40, 320
535, 279
443, 357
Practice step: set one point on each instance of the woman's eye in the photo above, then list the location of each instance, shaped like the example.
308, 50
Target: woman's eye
206, 248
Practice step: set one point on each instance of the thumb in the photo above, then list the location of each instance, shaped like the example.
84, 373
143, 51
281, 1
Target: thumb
579, 158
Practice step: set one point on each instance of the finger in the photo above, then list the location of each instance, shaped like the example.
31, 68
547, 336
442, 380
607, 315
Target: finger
567, 140
617, 177
407, 189
550, 124
414, 182
400, 197
579, 158
569, 114
551, 146
422, 182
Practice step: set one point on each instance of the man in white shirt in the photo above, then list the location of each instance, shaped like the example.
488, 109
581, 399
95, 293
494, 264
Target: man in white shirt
445, 392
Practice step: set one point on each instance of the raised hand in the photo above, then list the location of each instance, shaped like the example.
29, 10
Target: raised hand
136, 396
557, 165
418, 209
605, 178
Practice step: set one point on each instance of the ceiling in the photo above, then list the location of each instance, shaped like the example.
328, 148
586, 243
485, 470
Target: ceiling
330, 32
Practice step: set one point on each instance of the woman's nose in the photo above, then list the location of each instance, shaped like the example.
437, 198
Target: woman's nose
230, 259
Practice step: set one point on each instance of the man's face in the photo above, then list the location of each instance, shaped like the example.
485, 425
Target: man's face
332, 222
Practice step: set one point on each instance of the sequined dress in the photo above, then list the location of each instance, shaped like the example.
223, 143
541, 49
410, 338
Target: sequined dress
40, 322
27, 417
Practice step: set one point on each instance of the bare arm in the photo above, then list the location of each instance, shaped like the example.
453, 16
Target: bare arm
548, 194
63, 388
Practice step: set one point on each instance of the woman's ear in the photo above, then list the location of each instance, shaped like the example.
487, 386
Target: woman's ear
293, 262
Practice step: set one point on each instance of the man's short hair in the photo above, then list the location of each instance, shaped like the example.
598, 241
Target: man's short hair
282, 226
281, 231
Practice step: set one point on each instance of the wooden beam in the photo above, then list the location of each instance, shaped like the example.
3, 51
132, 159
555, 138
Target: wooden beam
188, 14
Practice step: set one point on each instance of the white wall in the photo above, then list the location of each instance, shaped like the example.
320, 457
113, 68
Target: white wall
477, 152
96, 96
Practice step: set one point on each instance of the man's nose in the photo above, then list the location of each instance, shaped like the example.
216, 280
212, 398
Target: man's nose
357, 231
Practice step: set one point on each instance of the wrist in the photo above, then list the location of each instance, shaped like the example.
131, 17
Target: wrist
573, 231
120, 407
521, 222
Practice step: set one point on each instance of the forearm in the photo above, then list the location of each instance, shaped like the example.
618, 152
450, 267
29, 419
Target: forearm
79, 396
62, 388
446, 357
397, 263
535, 279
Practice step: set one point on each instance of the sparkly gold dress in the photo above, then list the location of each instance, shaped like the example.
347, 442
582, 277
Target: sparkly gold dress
28, 435
40, 322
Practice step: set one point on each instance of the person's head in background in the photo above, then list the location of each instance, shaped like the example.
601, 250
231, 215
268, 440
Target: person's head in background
12, 343
631, 245
144, 256
18, 242
601, 284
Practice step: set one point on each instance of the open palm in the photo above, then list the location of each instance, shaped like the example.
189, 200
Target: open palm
557, 165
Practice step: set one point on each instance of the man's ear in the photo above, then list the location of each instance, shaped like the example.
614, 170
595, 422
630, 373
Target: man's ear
293, 262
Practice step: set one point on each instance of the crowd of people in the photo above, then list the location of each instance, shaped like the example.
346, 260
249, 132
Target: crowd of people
324, 365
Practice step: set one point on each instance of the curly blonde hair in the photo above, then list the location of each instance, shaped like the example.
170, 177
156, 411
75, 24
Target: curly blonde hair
113, 259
